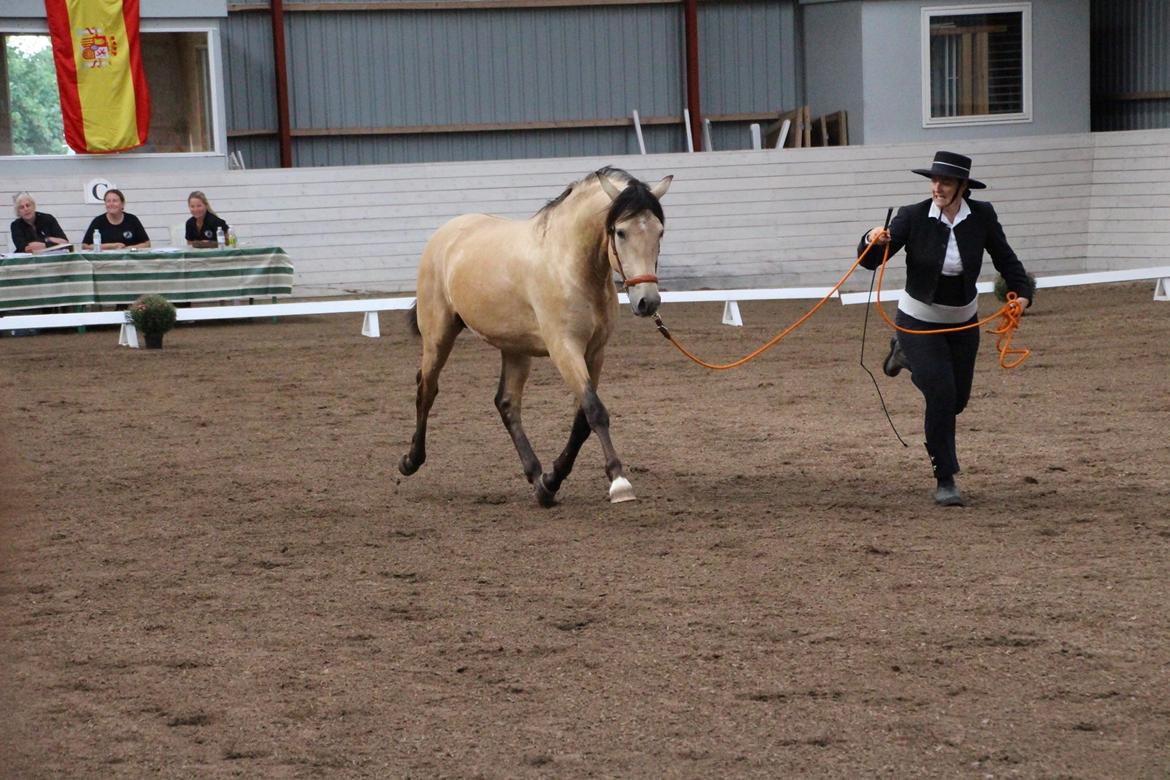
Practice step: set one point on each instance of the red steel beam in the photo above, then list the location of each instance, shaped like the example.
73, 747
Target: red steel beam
691, 24
284, 128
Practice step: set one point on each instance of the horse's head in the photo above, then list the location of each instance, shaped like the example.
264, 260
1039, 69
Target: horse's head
634, 228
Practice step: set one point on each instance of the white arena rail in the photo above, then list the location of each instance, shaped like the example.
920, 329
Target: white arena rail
368, 306
1160, 273
371, 306
129, 337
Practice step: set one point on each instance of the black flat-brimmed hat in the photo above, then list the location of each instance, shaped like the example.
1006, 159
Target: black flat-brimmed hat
953, 165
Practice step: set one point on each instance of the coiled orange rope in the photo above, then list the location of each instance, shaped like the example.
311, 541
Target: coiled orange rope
1011, 312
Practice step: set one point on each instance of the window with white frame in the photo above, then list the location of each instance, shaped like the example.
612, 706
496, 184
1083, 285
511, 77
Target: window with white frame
178, 74
976, 64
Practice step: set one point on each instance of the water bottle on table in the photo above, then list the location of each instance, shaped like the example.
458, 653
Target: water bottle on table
219, 240
97, 240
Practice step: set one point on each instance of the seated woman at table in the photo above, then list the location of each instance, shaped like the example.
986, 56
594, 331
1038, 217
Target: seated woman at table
32, 230
119, 228
203, 223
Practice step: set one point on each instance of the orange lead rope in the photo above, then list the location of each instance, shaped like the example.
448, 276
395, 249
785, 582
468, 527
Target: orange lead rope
1011, 313
771, 342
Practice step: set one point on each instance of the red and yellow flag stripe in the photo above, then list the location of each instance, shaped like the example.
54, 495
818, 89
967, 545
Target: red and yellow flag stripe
105, 102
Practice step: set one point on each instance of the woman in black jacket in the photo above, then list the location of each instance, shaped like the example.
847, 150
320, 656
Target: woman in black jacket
945, 237
202, 226
32, 230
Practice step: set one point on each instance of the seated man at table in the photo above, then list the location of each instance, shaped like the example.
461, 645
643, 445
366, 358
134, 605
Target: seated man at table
34, 231
119, 228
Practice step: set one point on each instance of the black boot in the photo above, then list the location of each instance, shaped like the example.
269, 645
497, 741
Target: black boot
896, 360
946, 492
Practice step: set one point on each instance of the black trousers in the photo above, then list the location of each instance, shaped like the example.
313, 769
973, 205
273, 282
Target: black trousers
943, 368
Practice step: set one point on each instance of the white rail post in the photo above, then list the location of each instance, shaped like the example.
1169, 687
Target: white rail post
783, 135
638, 132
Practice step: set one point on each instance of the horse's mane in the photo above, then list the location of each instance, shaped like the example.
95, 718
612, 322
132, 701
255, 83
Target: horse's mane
635, 197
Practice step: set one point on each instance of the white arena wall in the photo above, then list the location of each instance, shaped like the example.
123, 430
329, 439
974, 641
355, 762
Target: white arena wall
775, 218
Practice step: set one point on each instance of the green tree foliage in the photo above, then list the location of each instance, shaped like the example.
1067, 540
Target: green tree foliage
37, 127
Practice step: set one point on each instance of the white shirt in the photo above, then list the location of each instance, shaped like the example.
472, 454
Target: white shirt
952, 264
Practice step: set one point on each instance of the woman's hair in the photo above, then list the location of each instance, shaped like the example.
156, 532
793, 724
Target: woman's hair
121, 197
18, 197
198, 195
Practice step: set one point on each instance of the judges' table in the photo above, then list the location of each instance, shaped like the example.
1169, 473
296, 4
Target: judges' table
36, 281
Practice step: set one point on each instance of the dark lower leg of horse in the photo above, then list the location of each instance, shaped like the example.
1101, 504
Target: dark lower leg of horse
550, 483
512, 377
424, 399
598, 417
436, 350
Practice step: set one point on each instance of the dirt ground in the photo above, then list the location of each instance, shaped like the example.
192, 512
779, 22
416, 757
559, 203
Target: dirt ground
211, 567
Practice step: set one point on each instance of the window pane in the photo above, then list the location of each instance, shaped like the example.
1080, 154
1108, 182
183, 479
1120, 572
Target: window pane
976, 64
177, 74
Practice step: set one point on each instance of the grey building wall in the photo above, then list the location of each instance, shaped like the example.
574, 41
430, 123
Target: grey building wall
892, 66
1131, 64
748, 63
833, 63
359, 80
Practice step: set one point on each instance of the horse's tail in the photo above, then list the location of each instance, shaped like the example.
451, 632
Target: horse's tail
412, 318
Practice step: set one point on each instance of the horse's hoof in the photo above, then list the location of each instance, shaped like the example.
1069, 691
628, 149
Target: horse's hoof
407, 466
545, 496
621, 490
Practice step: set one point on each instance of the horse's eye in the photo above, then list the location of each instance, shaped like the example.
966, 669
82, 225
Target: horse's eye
621, 234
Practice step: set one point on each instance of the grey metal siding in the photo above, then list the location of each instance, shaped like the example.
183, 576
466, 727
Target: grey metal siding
249, 75
364, 70
747, 57
1131, 59
376, 69
465, 147
257, 152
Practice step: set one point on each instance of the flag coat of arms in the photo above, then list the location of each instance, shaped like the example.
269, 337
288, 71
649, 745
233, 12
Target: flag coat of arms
105, 103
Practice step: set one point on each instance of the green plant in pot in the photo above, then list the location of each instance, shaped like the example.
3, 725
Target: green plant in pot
152, 315
1001, 288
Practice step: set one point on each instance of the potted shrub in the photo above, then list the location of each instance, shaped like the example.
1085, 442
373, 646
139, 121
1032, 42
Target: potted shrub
1001, 289
152, 315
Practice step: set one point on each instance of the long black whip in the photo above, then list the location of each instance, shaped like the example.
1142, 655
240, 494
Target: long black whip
864, 329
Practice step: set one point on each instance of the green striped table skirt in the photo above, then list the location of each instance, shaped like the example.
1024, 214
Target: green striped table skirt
120, 277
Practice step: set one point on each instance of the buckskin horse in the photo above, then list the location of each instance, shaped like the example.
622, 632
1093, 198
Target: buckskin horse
541, 287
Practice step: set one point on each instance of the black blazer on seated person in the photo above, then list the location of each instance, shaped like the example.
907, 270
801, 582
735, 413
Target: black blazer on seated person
44, 226
925, 240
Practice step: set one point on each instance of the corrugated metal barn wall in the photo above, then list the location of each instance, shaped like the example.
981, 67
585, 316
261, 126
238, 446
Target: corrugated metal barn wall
390, 85
1131, 64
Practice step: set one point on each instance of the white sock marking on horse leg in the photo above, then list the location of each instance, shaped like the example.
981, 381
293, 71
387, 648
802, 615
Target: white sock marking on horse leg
621, 490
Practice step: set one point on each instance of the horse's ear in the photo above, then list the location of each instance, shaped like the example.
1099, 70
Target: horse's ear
607, 185
659, 189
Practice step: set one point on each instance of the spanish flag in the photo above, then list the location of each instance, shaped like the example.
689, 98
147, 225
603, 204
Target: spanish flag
104, 100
